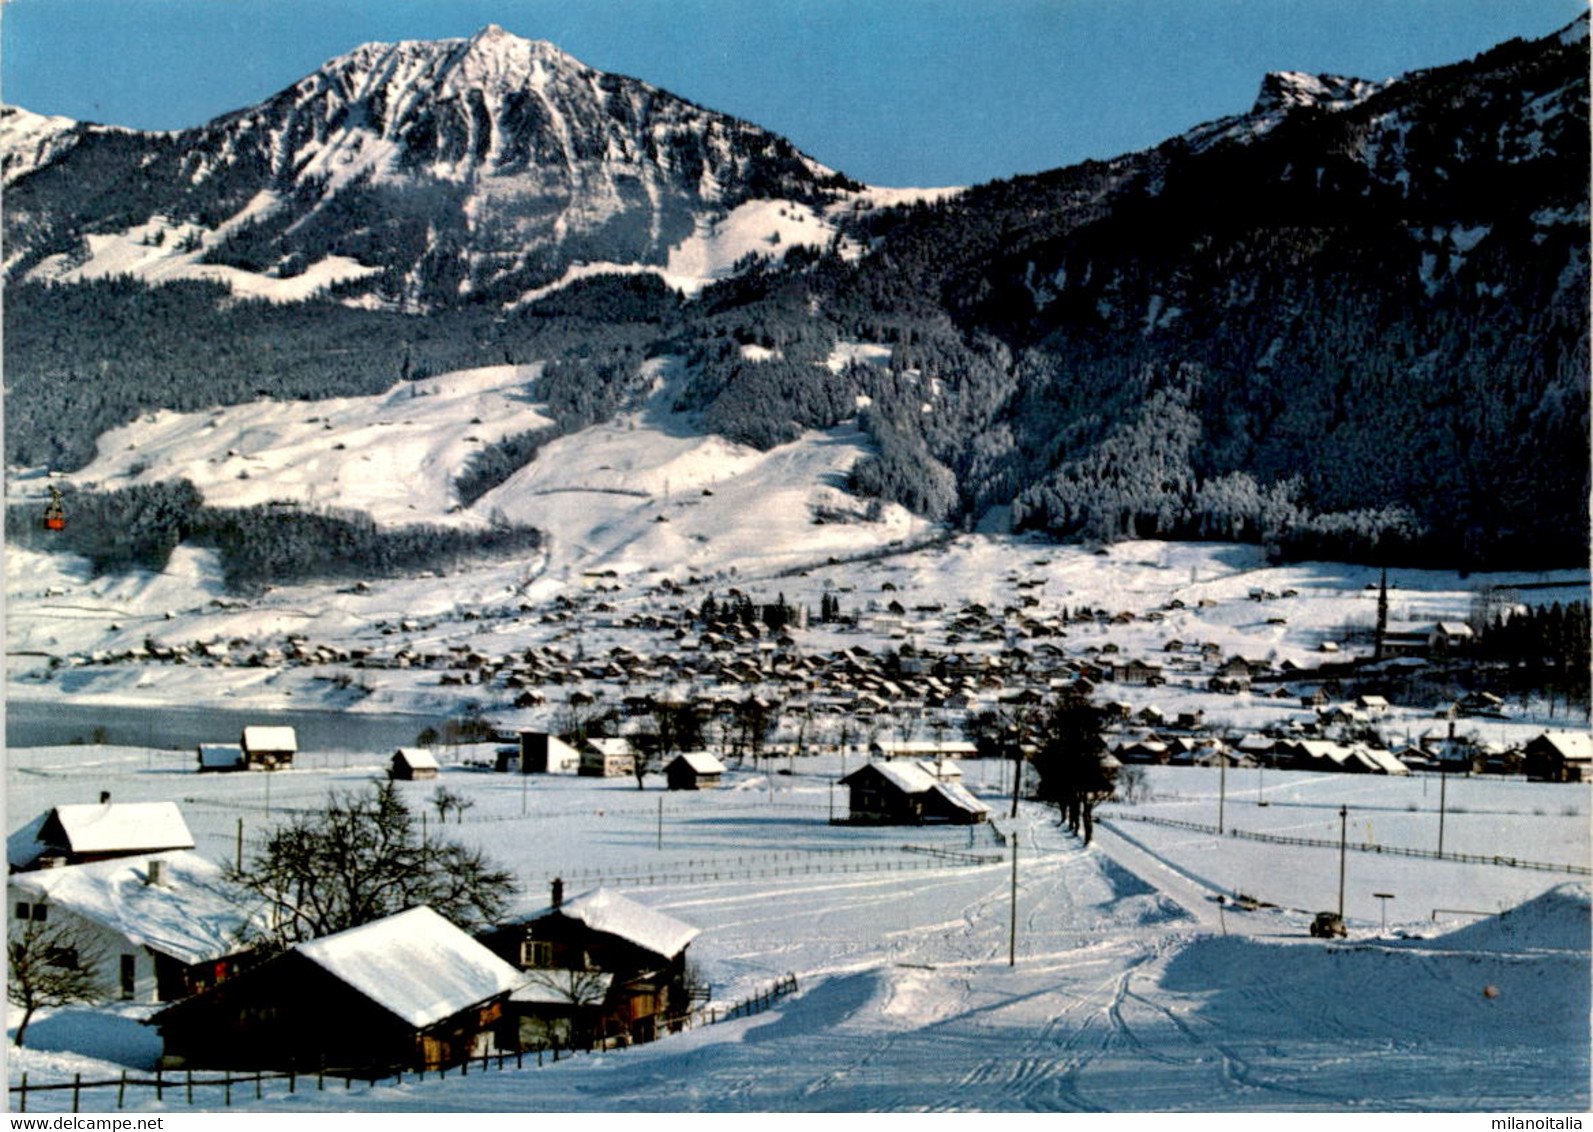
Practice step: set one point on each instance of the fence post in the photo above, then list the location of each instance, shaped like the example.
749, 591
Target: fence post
226, 1080
121, 1089
190, 1085
23, 1105
160, 1084
293, 1080
259, 1085
77, 1081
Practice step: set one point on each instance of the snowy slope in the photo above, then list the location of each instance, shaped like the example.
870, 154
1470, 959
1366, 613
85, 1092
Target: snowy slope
1119, 1000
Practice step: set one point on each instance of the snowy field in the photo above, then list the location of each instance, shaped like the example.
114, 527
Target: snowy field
1133, 988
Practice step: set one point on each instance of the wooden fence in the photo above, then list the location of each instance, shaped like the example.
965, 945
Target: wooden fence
208, 1089
1359, 847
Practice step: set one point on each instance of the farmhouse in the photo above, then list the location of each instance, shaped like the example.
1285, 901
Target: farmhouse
409, 990
413, 764
607, 758
267, 748
694, 770
898, 793
80, 833
541, 753
1560, 756
600, 968
152, 929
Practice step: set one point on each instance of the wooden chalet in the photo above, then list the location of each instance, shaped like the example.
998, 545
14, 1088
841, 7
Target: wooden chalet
904, 793
1560, 756
267, 748
694, 770
598, 968
410, 990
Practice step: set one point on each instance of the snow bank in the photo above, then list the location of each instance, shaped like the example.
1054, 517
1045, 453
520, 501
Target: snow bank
1560, 919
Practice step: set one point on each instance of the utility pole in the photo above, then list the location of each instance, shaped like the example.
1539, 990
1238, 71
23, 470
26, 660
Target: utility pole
1443, 789
1222, 788
1017, 767
1344, 819
1012, 929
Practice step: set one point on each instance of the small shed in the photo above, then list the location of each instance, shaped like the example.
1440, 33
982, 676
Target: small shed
413, 764
408, 990
694, 770
221, 757
267, 748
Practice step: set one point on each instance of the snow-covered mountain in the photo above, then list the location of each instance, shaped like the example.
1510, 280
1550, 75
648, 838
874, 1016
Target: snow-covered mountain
410, 174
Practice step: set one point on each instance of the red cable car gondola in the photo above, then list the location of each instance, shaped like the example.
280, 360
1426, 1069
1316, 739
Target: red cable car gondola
55, 511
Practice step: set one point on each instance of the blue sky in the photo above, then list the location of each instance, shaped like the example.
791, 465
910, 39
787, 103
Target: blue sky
892, 92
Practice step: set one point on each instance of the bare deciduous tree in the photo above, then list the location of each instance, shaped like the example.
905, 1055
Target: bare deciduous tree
360, 858
49, 966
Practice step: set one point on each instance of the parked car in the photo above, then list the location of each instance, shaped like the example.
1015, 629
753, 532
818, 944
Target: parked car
1328, 925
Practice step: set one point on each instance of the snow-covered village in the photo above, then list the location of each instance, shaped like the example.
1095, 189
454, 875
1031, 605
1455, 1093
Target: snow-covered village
524, 729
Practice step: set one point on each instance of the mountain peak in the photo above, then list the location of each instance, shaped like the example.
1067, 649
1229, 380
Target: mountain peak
1288, 90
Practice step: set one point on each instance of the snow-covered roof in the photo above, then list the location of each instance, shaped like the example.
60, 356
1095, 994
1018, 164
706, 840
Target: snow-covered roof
700, 761
957, 794
556, 986
118, 827
1384, 761
418, 758
192, 915
415, 964
1576, 746
217, 755
270, 739
604, 910
925, 747
618, 746
909, 778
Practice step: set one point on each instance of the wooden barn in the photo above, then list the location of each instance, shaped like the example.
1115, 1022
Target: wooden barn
1559, 756
694, 770
80, 833
413, 764
410, 990
600, 968
267, 748
902, 793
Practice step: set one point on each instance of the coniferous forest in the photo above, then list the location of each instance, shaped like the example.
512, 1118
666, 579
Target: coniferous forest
1361, 336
